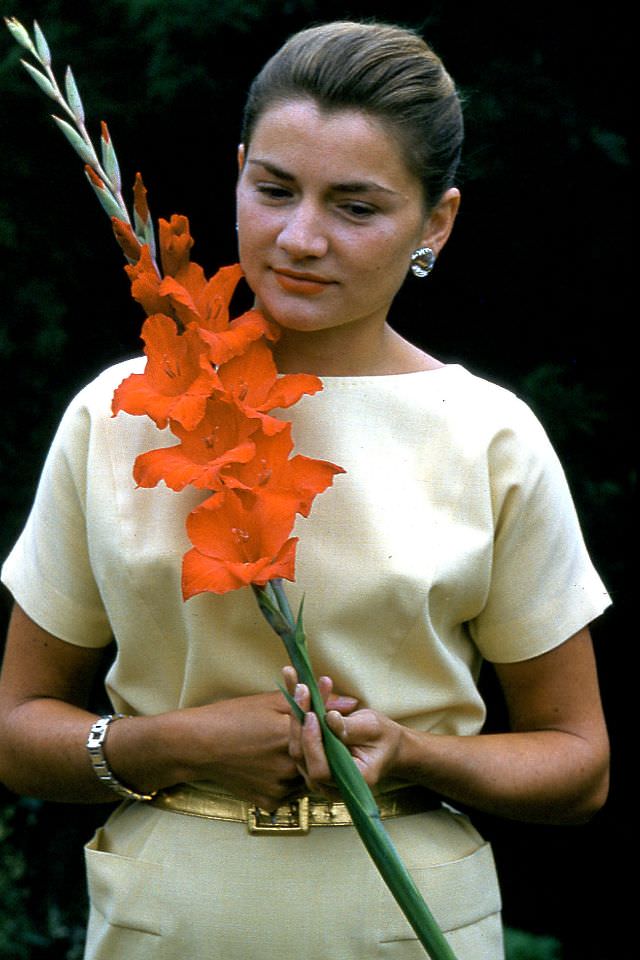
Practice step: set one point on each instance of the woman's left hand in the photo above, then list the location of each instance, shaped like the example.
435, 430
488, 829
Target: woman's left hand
372, 738
551, 767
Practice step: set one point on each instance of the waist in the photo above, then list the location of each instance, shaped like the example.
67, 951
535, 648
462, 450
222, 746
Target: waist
295, 817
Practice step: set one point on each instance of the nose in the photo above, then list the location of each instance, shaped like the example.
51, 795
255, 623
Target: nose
303, 234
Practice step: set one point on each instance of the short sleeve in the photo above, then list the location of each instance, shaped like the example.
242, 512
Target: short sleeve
543, 585
49, 570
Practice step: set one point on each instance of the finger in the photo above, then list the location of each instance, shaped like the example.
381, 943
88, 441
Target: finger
296, 748
315, 760
362, 727
343, 704
302, 696
325, 686
290, 678
333, 700
337, 723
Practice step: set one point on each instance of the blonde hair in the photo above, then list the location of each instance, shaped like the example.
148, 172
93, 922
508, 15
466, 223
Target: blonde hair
387, 71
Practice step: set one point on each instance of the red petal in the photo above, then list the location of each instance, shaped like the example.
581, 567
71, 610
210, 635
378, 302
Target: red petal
175, 244
177, 380
288, 389
127, 239
207, 574
310, 477
140, 199
178, 470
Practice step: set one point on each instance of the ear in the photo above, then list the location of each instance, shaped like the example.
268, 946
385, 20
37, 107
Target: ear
439, 223
241, 157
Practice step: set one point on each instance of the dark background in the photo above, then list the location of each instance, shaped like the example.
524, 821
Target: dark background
532, 291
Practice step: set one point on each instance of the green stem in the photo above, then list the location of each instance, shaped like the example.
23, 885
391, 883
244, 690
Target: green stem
357, 796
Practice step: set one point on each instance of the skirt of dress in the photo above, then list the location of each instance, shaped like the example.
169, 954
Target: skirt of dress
165, 886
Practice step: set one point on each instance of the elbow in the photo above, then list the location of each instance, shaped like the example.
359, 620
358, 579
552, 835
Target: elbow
592, 799
589, 794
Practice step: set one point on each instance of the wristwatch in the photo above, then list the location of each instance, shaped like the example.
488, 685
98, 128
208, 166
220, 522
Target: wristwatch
95, 743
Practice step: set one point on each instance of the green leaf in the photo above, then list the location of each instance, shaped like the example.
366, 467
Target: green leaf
41, 44
41, 80
149, 237
140, 226
269, 609
297, 711
73, 95
110, 163
83, 149
107, 201
20, 34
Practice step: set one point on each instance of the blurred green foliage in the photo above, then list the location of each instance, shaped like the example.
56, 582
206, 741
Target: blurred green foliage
520, 945
532, 291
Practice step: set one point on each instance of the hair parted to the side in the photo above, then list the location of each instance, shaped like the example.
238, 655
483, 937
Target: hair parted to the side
385, 70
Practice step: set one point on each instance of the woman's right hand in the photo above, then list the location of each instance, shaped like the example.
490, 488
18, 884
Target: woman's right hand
241, 744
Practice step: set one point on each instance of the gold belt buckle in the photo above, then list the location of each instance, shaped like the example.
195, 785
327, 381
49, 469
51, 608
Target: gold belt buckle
291, 819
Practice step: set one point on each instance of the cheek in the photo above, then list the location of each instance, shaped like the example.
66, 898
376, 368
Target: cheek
257, 229
383, 266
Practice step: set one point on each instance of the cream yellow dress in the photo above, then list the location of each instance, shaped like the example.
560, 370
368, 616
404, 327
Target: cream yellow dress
451, 538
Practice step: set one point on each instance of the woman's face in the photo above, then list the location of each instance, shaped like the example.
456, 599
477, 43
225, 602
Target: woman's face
328, 216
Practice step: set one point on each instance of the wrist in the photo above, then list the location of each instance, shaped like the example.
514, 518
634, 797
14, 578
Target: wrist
411, 756
138, 751
96, 742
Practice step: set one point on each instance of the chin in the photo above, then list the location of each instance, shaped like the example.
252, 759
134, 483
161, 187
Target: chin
298, 316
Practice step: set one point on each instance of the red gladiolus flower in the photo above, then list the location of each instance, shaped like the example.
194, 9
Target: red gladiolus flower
227, 343
126, 238
175, 243
145, 284
238, 540
184, 293
140, 199
298, 479
220, 439
177, 381
205, 304
251, 381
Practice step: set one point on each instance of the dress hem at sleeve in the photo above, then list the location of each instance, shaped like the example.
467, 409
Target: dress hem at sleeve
550, 626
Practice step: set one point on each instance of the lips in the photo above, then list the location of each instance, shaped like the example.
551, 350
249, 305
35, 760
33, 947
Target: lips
304, 284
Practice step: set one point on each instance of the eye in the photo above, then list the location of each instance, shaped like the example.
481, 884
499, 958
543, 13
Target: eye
273, 191
358, 210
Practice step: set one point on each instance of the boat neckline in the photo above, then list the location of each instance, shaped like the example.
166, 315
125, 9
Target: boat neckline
449, 367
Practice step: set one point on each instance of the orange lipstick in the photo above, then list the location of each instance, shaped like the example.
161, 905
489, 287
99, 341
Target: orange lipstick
306, 286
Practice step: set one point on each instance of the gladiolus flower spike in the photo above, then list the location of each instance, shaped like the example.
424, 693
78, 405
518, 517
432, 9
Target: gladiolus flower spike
106, 181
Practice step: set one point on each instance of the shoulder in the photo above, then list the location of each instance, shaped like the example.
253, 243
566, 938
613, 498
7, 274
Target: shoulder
483, 402
481, 416
92, 404
88, 429
96, 396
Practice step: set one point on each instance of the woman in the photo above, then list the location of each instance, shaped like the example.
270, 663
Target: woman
452, 537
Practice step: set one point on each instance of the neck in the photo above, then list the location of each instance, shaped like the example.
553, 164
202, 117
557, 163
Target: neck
340, 352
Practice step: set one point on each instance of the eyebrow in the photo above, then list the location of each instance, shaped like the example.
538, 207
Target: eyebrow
349, 186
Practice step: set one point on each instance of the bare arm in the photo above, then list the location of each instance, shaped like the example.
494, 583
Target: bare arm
242, 744
552, 768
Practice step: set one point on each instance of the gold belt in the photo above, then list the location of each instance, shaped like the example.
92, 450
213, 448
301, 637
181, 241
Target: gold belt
293, 818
